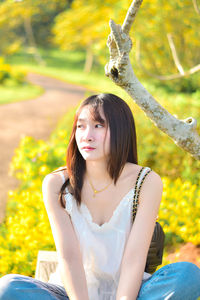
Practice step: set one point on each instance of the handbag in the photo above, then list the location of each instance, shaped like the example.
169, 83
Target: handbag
155, 253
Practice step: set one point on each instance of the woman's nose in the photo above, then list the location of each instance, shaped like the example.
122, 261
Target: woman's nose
88, 134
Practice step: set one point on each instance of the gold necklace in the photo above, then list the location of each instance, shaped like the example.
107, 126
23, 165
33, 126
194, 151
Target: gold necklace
95, 191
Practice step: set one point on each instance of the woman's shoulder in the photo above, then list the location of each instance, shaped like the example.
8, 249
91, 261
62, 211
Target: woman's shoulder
152, 184
55, 179
62, 172
132, 168
151, 177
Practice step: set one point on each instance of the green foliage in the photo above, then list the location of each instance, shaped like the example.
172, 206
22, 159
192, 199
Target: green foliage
42, 17
189, 84
55, 22
10, 74
27, 22
177, 18
10, 42
160, 18
13, 84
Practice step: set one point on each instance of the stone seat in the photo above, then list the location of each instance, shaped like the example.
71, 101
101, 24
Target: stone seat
46, 264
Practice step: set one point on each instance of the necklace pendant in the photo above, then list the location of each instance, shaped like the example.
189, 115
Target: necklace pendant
95, 192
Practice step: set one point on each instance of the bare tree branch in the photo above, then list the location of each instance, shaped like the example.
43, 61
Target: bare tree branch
131, 15
174, 54
119, 69
163, 77
196, 6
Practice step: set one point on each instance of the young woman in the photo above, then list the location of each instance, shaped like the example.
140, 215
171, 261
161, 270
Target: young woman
101, 253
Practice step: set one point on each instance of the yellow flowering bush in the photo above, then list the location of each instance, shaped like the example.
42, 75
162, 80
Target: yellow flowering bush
180, 211
8, 73
26, 228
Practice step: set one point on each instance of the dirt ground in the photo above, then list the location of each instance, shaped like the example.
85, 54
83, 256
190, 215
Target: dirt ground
186, 252
35, 117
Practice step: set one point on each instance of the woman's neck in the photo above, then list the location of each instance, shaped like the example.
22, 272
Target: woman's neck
97, 171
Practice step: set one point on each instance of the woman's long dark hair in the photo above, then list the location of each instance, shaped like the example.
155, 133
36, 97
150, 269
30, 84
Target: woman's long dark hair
123, 142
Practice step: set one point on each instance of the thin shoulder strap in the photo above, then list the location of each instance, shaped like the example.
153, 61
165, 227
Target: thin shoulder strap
139, 181
62, 175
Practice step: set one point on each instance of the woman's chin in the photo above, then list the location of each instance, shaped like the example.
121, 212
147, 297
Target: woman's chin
92, 158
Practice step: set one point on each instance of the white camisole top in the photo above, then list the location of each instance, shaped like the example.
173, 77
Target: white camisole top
102, 246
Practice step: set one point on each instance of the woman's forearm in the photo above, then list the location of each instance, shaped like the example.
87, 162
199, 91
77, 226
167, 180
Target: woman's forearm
130, 281
74, 280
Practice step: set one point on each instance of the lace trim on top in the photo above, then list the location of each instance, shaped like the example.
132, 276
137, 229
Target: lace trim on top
124, 202
69, 203
85, 211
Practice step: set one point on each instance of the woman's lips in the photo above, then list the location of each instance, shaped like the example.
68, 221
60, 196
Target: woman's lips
88, 148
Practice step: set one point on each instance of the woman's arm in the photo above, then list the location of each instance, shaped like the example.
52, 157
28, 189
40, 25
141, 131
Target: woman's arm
136, 250
67, 245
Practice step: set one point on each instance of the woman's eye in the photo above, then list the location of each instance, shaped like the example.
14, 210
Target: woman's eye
96, 126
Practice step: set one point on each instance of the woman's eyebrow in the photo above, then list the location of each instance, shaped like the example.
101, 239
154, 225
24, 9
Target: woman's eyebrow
84, 120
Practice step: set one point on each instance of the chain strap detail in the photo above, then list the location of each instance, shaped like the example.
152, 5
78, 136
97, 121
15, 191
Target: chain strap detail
137, 193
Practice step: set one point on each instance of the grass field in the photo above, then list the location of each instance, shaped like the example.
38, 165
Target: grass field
67, 66
16, 93
63, 65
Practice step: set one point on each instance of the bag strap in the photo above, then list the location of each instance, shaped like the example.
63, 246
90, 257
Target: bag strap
137, 192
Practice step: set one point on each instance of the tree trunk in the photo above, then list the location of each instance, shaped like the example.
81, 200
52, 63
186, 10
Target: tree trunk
31, 40
89, 60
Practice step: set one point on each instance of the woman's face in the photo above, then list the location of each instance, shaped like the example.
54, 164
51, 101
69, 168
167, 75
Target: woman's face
92, 137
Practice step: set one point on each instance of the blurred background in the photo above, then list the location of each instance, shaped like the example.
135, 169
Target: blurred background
52, 55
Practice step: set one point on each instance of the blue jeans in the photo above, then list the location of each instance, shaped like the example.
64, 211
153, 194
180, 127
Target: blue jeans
177, 281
